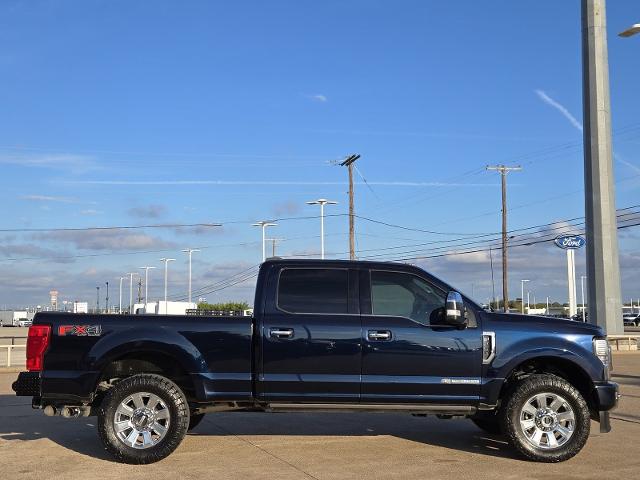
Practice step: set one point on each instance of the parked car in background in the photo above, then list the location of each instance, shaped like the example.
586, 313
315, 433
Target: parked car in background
24, 322
631, 319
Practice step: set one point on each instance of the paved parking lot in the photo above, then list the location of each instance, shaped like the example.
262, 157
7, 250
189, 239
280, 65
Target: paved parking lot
316, 446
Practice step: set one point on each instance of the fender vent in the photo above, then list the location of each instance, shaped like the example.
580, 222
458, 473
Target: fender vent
488, 347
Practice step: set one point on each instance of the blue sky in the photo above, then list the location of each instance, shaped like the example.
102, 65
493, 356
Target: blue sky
130, 113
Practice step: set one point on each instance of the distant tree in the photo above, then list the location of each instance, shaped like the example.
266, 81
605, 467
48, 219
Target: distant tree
223, 307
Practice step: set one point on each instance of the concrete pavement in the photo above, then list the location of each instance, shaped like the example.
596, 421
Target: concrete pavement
315, 446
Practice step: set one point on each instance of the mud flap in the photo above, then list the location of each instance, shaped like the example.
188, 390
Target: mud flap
605, 422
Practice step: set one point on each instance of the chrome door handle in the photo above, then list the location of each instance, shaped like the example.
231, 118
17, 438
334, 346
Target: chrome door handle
281, 332
379, 335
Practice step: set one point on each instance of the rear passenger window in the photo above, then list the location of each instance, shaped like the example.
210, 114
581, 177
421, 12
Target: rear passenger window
313, 290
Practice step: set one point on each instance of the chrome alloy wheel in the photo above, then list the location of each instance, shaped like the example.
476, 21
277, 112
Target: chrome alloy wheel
547, 421
141, 420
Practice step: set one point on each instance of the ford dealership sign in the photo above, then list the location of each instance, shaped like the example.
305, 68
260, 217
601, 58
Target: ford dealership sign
570, 242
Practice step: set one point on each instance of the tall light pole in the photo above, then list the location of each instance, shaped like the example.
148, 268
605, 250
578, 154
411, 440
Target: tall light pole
97, 299
166, 276
503, 170
264, 224
146, 285
603, 267
120, 307
106, 300
131, 275
582, 277
322, 202
189, 252
522, 282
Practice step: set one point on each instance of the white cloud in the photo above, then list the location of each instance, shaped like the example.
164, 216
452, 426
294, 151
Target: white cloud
561, 108
59, 161
48, 198
318, 97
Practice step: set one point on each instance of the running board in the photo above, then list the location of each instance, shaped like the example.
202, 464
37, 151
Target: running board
372, 407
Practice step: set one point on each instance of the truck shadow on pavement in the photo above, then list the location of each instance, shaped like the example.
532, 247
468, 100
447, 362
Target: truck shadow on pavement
20, 423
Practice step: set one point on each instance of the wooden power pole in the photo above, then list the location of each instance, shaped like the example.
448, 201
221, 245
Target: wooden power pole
348, 162
505, 283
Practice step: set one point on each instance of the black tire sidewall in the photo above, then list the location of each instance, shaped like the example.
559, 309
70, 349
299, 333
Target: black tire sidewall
173, 398
529, 387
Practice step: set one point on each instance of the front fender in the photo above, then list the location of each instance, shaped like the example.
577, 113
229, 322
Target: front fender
576, 349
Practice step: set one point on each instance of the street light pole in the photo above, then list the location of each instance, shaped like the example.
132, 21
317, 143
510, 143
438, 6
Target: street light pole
146, 286
166, 276
603, 268
106, 300
264, 224
322, 202
131, 274
189, 251
97, 299
120, 307
522, 282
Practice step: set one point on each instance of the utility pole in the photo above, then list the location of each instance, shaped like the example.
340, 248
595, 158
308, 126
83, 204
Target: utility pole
146, 285
97, 299
140, 290
274, 242
106, 300
322, 202
189, 252
264, 224
120, 307
603, 268
493, 283
131, 274
505, 282
166, 276
348, 162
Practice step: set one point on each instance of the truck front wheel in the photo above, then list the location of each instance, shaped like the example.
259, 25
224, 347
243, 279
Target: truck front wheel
546, 418
143, 418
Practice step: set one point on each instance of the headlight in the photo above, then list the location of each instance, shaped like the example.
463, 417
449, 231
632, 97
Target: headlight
603, 351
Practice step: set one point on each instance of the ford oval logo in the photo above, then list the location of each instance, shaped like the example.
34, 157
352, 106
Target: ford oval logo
570, 242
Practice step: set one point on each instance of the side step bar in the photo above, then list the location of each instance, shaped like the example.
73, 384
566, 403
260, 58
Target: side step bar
372, 407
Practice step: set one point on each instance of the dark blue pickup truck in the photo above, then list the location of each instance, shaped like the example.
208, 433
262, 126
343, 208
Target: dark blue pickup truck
325, 336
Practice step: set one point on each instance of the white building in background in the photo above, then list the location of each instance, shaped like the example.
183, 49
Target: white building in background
158, 308
80, 307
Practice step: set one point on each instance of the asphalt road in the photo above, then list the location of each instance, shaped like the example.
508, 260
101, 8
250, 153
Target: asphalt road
315, 446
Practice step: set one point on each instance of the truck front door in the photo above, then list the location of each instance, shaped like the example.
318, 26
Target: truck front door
409, 354
311, 337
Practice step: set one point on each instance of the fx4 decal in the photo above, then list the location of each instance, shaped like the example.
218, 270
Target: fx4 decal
80, 330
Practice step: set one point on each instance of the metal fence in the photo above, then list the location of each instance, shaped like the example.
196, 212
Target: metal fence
13, 351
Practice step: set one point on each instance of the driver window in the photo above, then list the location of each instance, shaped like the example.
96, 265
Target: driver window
405, 295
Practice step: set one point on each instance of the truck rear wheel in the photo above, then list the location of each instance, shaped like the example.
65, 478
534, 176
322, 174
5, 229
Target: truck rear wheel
546, 418
143, 419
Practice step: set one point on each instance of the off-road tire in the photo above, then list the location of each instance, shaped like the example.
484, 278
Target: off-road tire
195, 420
516, 398
175, 402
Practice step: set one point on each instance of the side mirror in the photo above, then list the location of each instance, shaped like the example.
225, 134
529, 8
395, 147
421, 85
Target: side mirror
455, 310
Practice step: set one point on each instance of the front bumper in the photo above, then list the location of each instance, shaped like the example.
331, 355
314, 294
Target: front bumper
606, 396
28, 384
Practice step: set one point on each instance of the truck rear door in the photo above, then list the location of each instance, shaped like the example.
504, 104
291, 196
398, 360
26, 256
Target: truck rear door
311, 336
